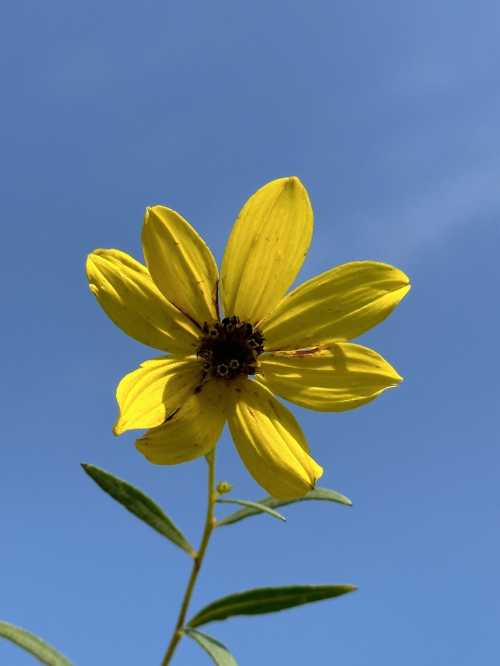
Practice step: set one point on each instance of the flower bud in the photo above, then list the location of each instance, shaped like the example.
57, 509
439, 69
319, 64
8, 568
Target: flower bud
224, 487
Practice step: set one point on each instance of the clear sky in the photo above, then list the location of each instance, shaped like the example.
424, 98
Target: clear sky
389, 112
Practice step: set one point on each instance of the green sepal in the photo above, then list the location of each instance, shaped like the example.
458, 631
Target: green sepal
219, 653
266, 600
142, 506
322, 494
259, 508
33, 644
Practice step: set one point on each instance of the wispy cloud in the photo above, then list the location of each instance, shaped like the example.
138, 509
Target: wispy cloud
404, 228
452, 203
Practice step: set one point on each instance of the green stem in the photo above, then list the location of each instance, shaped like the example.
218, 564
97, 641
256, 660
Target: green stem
198, 560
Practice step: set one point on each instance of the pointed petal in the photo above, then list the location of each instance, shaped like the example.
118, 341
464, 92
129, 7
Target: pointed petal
130, 298
149, 395
271, 442
337, 305
180, 263
266, 249
340, 377
191, 432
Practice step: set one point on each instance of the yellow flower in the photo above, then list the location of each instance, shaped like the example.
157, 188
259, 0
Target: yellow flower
269, 342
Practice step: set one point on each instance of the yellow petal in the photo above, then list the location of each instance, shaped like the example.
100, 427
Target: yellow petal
128, 295
340, 304
191, 432
271, 442
180, 263
266, 249
149, 395
335, 379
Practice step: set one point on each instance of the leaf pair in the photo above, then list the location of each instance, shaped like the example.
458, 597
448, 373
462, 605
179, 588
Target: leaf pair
251, 602
142, 506
254, 602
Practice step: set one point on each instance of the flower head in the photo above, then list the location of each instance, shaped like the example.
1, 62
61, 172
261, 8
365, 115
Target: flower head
268, 342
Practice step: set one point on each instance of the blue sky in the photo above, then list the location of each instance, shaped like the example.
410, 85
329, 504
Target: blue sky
389, 113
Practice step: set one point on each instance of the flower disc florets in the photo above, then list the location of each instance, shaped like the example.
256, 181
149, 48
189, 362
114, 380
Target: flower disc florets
229, 348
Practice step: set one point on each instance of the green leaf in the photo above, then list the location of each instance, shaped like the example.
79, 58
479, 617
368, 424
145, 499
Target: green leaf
266, 600
259, 508
218, 652
31, 643
139, 504
324, 494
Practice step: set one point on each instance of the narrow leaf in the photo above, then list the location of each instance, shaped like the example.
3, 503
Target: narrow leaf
218, 652
266, 600
259, 508
31, 643
324, 494
139, 504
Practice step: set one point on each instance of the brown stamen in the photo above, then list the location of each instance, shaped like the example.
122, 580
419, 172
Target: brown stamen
230, 348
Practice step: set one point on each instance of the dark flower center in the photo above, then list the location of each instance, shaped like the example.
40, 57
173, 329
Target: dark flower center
229, 348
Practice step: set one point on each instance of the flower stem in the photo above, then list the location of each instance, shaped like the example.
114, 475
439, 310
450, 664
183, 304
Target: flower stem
198, 560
